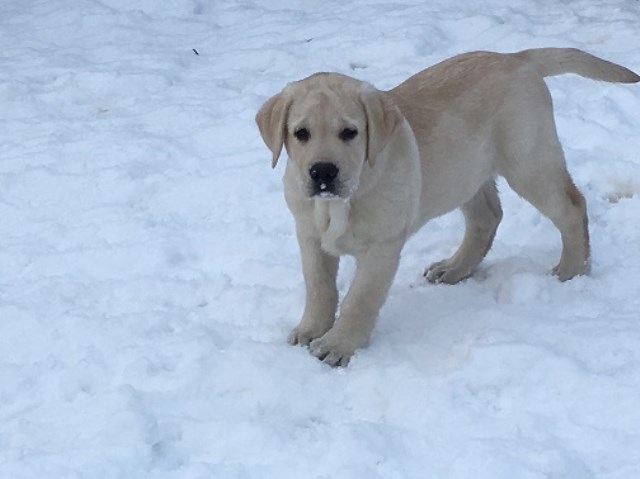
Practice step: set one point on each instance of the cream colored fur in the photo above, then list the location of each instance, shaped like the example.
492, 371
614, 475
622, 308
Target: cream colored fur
434, 143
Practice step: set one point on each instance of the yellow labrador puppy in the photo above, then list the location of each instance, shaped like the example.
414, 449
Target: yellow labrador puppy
367, 168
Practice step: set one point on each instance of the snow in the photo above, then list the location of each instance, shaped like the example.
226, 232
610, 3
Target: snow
149, 273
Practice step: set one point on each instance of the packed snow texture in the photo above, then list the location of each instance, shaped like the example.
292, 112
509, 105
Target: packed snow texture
149, 272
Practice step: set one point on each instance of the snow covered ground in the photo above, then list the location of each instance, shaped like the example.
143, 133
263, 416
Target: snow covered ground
149, 274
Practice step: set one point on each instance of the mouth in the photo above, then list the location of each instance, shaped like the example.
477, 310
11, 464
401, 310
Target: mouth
326, 195
337, 191
333, 190
324, 190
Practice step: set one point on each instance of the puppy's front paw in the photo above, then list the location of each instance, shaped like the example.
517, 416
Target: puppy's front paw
297, 336
306, 332
332, 349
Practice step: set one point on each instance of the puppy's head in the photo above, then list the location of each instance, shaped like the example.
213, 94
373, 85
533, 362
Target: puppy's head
330, 125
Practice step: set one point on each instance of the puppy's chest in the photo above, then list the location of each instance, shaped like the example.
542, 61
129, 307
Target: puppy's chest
332, 221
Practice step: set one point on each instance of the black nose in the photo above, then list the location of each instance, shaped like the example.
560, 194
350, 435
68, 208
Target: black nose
323, 173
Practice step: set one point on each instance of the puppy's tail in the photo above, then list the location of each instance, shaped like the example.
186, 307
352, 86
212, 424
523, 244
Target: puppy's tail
556, 61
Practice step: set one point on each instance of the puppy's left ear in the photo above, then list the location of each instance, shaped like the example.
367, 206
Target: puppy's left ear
383, 117
272, 122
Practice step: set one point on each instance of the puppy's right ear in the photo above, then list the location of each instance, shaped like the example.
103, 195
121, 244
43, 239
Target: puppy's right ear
382, 119
272, 122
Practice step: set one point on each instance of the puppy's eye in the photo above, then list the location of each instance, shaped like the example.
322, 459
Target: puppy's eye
348, 134
302, 135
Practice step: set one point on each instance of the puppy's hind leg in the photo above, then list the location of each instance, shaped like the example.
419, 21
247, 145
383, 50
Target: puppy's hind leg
556, 197
534, 166
482, 215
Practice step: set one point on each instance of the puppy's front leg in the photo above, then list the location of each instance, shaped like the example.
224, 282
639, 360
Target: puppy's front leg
375, 271
319, 270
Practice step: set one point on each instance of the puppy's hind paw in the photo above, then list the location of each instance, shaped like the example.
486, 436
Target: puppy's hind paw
566, 272
446, 272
